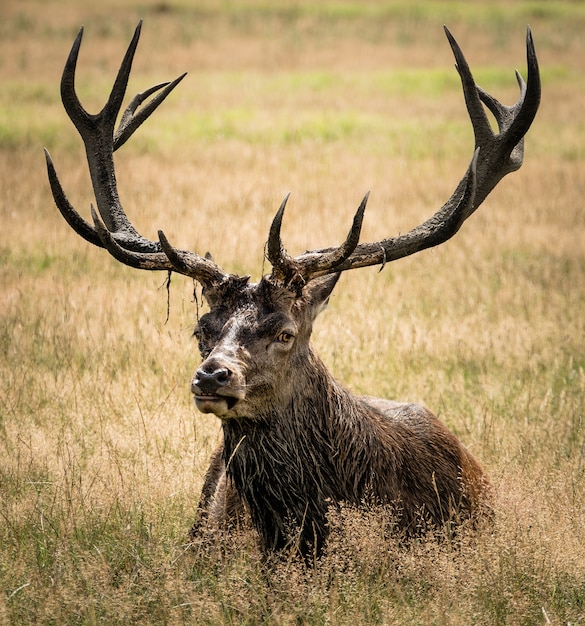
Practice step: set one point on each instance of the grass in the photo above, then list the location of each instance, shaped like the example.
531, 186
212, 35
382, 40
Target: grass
102, 454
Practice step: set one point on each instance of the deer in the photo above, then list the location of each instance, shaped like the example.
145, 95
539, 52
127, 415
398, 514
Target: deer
296, 442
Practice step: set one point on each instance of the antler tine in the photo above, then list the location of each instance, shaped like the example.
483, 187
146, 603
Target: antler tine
138, 260
131, 121
495, 155
524, 111
481, 126
72, 217
283, 265
327, 262
301, 269
204, 269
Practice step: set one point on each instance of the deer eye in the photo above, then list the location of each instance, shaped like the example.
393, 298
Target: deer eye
284, 337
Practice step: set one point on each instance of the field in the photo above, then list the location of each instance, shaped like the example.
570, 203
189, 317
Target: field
102, 453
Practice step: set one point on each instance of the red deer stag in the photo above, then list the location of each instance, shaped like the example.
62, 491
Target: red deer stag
295, 441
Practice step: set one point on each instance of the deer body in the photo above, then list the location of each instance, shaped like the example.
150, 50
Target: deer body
360, 451
296, 442
399, 454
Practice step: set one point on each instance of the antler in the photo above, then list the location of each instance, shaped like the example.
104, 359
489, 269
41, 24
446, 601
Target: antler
116, 233
495, 155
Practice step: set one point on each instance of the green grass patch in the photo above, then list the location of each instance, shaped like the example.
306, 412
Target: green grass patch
494, 12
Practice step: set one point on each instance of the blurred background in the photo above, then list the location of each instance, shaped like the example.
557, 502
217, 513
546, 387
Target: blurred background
102, 454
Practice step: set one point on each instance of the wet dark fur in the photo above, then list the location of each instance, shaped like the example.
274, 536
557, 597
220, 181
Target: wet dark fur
317, 445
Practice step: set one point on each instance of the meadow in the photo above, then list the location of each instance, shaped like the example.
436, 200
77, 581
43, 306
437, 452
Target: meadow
102, 452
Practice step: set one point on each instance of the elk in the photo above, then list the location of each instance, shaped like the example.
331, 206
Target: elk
295, 441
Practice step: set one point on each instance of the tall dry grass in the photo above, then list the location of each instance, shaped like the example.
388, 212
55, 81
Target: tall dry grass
101, 451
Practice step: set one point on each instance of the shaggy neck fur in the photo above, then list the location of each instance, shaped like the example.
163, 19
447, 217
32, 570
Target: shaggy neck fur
326, 447
285, 464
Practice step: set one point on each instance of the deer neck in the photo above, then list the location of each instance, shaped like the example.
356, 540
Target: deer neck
289, 472
310, 396
300, 435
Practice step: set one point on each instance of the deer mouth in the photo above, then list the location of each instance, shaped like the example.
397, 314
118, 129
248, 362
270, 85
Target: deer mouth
215, 403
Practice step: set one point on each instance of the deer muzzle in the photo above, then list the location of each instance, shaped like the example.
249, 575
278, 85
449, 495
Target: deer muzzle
216, 388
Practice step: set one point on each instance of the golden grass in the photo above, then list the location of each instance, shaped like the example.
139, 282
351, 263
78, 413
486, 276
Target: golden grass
101, 451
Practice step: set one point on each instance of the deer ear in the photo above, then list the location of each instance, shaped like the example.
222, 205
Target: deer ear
316, 293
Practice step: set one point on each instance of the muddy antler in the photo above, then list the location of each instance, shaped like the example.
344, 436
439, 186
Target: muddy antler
116, 233
495, 155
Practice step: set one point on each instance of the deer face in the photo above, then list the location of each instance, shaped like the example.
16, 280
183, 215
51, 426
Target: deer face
253, 341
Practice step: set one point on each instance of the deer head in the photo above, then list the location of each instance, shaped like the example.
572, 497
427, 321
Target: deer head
251, 340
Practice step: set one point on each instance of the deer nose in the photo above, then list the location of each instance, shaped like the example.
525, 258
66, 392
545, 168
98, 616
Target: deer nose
209, 382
